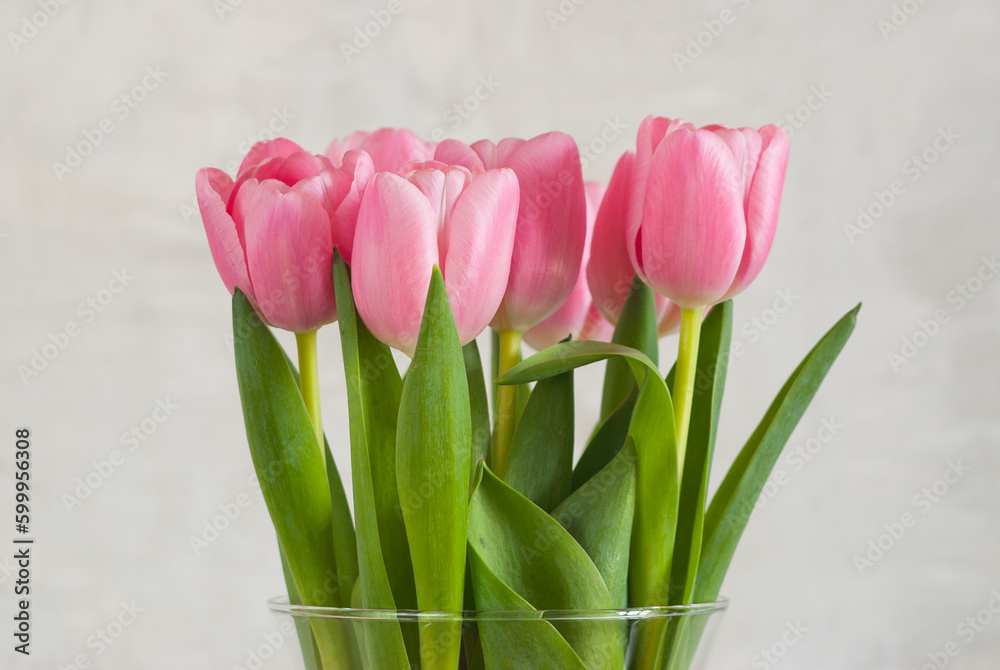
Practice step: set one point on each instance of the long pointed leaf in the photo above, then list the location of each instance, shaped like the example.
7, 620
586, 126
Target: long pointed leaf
479, 405
384, 645
291, 468
729, 512
710, 381
433, 459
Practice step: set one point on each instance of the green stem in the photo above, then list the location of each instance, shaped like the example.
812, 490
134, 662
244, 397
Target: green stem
510, 355
687, 364
309, 380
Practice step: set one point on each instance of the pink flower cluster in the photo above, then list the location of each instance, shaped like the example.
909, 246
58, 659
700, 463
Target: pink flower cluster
522, 242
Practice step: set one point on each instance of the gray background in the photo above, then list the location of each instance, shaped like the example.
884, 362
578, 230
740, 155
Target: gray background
886, 96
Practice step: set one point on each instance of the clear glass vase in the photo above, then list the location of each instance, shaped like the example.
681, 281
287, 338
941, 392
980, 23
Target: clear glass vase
652, 638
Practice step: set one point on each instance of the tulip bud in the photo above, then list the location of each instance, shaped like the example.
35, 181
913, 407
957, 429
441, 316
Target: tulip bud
551, 221
609, 269
577, 317
436, 214
273, 231
703, 207
390, 149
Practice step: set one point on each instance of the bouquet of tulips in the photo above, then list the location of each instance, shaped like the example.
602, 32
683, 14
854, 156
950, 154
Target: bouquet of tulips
466, 493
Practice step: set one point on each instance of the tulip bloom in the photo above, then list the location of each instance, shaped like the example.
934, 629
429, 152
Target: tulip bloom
390, 149
273, 231
578, 317
610, 270
551, 221
703, 207
436, 214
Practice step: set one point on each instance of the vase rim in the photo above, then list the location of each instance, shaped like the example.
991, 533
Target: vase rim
281, 605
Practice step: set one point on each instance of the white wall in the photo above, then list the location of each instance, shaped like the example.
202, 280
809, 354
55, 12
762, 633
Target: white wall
884, 99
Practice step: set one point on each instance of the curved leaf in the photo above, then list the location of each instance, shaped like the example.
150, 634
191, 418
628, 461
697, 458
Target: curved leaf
540, 463
528, 644
606, 441
538, 560
636, 328
384, 645
599, 516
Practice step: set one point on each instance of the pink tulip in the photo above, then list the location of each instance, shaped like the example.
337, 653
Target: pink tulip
551, 222
391, 149
577, 317
610, 270
435, 214
703, 207
273, 231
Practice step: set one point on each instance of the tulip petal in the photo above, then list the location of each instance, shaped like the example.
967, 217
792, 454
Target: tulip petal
609, 268
453, 152
762, 206
652, 130
693, 229
358, 169
213, 188
390, 148
480, 241
745, 144
261, 151
289, 255
551, 229
395, 250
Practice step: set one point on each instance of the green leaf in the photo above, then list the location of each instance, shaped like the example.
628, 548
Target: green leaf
479, 405
433, 457
345, 546
637, 328
710, 381
530, 643
310, 653
289, 463
607, 440
384, 644
652, 429
734, 500
599, 516
540, 463
521, 546
291, 468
